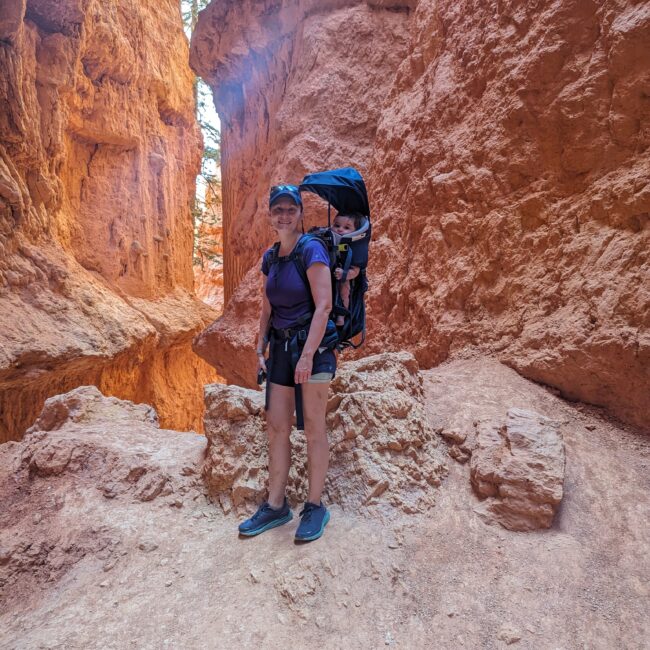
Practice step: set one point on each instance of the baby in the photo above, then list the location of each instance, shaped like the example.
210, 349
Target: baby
345, 225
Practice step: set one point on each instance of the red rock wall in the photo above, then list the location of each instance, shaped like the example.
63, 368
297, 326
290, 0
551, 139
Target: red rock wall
510, 180
208, 263
507, 162
299, 85
99, 149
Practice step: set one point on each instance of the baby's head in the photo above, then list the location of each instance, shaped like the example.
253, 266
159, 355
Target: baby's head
344, 224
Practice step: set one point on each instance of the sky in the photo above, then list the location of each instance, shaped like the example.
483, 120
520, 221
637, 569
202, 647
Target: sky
206, 114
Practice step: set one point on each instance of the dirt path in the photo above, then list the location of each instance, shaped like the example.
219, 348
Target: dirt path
181, 578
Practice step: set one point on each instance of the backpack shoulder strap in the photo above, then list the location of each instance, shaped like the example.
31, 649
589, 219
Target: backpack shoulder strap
298, 259
274, 252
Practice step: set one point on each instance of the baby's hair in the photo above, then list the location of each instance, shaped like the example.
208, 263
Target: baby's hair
356, 217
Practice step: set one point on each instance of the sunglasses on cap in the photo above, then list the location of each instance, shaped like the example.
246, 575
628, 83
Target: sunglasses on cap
289, 191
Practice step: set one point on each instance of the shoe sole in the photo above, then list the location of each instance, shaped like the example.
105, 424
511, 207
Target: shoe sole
315, 535
271, 524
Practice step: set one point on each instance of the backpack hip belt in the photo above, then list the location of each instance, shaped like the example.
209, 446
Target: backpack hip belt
290, 332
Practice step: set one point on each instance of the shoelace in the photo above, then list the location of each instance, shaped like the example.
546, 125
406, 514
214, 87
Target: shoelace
264, 508
307, 511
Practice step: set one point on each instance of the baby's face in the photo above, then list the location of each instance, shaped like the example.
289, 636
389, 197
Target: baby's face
343, 225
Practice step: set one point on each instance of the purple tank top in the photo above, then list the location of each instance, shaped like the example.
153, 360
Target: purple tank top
286, 291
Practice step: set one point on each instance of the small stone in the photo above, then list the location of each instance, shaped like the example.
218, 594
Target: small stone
5, 555
164, 561
357, 604
37, 518
282, 618
460, 454
509, 635
147, 546
168, 583
590, 427
105, 583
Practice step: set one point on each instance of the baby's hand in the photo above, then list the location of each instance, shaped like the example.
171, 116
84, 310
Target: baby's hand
338, 273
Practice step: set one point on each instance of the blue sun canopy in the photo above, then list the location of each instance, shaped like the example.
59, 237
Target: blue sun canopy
343, 188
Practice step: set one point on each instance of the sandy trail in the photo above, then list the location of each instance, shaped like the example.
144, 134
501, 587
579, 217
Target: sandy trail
181, 578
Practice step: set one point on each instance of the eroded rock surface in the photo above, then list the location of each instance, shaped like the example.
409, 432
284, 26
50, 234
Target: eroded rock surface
518, 469
384, 456
99, 148
83, 451
511, 194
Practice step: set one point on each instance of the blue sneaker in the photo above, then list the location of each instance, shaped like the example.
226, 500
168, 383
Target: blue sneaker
313, 519
265, 518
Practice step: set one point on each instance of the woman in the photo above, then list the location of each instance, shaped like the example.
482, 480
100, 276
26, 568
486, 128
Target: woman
291, 312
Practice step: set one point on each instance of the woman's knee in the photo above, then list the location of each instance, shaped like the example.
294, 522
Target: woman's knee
315, 430
278, 429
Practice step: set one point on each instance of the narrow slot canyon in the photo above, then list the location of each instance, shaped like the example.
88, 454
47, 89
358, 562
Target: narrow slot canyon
489, 442
100, 149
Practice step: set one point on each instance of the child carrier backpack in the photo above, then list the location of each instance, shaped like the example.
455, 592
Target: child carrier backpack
345, 190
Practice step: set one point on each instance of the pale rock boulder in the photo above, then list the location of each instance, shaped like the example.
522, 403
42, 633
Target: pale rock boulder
73, 487
518, 470
384, 455
137, 459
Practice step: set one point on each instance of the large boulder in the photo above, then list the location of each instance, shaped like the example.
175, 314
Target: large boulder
88, 468
384, 454
517, 468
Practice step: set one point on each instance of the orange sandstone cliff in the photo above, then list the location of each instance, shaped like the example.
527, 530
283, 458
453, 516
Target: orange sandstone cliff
99, 148
506, 152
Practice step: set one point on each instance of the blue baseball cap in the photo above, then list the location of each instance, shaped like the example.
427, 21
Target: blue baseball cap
290, 191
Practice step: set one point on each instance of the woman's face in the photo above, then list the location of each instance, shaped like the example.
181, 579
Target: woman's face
285, 215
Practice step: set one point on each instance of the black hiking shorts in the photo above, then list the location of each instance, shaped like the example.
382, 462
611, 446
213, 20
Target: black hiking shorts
281, 372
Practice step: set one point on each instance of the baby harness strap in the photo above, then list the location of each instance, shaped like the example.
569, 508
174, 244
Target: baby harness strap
346, 259
355, 316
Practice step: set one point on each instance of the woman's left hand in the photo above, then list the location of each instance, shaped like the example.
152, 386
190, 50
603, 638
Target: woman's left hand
303, 369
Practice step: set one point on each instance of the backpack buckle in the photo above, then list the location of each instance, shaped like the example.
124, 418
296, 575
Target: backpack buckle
343, 247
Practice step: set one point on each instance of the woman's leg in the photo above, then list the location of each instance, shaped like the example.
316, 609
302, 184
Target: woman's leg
278, 426
314, 401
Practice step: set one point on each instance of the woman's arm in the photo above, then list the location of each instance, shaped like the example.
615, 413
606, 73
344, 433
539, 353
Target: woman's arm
265, 318
320, 282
